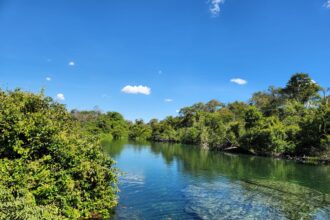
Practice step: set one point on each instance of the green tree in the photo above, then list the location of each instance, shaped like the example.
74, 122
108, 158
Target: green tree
301, 88
139, 131
252, 117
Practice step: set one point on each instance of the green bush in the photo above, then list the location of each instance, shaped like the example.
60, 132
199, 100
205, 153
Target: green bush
48, 168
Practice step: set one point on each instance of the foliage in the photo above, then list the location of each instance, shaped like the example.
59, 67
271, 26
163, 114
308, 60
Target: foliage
301, 88
95, 122
139, 131
50, 169
293, 120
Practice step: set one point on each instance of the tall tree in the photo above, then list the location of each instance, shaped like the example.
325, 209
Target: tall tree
301, 88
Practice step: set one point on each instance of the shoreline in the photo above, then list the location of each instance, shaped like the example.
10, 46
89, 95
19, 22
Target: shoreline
310, 160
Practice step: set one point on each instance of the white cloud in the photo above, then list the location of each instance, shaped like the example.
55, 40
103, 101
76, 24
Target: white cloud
71, 63
215, 6
48, 78
327, 4
238, 81
168, 100
60, 97
136, 90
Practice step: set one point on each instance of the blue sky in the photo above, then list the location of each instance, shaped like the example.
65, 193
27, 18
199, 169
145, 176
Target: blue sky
172, 53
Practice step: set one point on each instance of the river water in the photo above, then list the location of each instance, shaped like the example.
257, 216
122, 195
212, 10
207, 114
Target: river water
175, 181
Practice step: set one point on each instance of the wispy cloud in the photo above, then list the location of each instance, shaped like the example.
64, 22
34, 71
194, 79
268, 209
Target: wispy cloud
168, 100
136, 90
71, 63
60, 97
215, 7
327, 4
239, 81
48, 78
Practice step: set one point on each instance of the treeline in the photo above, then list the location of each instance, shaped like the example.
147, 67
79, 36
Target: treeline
294, 120
49, 167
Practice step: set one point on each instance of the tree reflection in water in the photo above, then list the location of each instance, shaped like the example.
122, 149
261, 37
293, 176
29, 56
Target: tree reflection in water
242, 185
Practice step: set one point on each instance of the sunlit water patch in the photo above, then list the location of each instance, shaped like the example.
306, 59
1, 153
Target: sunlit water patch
259, 199
131, 179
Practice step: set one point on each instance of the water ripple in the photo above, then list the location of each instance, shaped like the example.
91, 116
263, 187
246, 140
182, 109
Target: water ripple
255, 200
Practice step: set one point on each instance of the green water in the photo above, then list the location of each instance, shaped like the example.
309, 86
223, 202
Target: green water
174, 181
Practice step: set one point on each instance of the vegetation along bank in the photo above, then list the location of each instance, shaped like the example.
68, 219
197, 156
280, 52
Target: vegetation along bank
291, 122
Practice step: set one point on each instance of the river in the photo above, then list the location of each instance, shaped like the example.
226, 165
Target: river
175, 181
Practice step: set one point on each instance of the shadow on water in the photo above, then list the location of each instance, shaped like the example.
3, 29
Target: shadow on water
242, 185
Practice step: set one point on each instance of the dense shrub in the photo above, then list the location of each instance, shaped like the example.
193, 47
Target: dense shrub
48, 168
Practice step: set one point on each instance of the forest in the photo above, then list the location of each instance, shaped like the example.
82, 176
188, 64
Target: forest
290, 121
52, 164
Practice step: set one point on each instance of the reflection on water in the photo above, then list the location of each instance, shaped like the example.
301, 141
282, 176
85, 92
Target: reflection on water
174, 181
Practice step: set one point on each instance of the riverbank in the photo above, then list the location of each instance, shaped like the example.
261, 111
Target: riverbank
313, 160
323, 160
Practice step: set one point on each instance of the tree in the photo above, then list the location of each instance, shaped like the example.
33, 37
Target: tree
268, 101
301, 88
315, 132
268, 136
213, 105
139, 130
110, 124
252, 117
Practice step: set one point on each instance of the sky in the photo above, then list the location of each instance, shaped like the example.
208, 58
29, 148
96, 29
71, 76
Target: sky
149, 58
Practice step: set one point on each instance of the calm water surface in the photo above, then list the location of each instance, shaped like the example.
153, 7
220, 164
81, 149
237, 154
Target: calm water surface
174, 181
